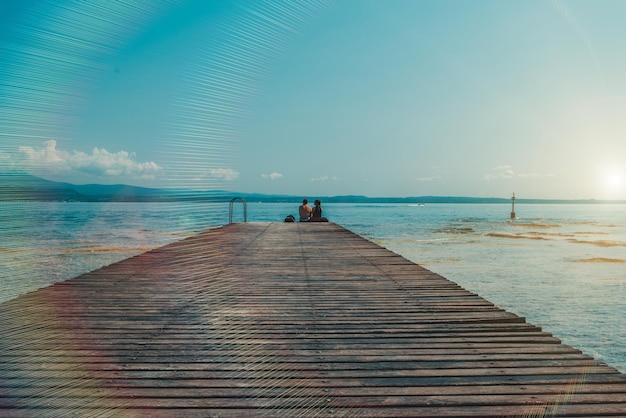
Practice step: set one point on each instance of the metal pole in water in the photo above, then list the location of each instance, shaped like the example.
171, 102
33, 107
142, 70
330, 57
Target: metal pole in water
513, 206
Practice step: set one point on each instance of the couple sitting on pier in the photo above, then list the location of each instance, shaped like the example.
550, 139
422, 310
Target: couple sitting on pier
311, 215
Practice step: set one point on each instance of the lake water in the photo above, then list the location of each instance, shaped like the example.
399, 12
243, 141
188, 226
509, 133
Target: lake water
563, 267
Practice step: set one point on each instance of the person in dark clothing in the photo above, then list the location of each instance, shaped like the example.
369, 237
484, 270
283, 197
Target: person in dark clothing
317, 211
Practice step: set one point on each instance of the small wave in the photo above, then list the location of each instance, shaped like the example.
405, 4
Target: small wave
103, 250
439, 261
600, 243
433, 240
602, 260
549, 234
455, 230
517, 236
594, 224
535, 225
471, 220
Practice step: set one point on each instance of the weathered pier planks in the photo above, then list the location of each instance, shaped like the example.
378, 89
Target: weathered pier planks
279, 319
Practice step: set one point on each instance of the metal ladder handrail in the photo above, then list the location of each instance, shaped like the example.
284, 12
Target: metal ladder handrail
230, 209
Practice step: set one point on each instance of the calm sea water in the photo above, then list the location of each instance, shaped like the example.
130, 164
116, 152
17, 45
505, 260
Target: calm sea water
563, 267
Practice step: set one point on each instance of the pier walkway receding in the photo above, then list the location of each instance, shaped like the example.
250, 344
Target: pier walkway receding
286, 320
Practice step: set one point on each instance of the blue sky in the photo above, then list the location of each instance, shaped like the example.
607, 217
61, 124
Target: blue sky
315, 98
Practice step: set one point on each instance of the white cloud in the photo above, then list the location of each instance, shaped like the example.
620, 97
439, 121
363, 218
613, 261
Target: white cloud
324, 178
506, 172
500, 172
272, 176
99, 163
224, 174
531, 175
427, 178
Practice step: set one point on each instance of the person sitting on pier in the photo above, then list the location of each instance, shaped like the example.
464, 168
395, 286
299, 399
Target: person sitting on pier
305, 211
316, 216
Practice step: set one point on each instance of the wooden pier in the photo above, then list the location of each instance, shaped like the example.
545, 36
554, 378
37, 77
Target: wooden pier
285, 320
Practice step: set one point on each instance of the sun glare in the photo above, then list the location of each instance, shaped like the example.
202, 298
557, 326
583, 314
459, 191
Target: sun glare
614, 182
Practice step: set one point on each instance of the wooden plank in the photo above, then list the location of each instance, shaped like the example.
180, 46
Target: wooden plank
284, 320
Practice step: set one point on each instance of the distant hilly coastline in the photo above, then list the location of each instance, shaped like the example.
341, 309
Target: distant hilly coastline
25, 187
17, 186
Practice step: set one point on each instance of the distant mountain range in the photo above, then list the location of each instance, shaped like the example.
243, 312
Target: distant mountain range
25, 187
16, 186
